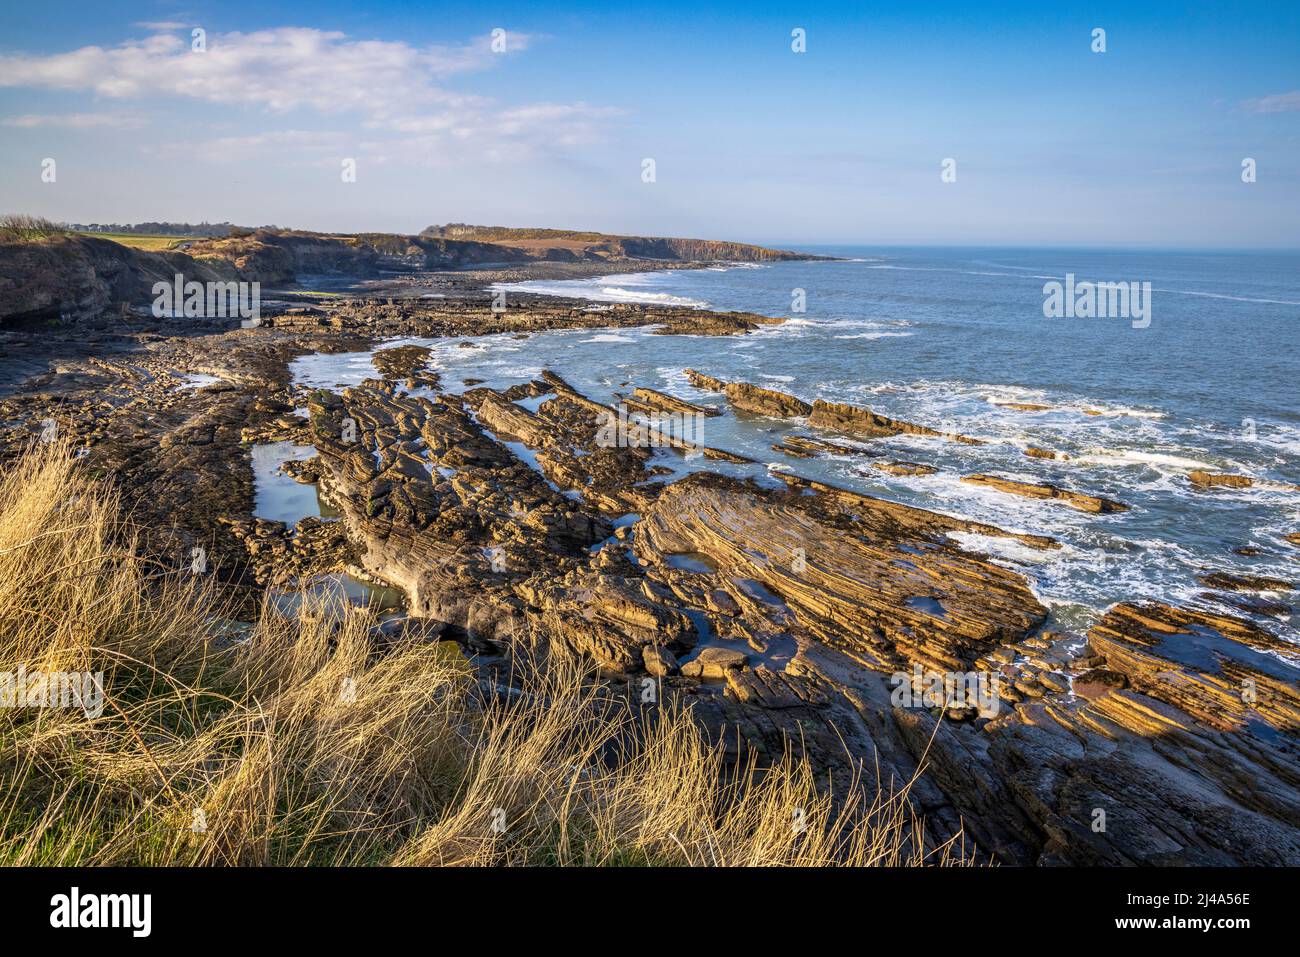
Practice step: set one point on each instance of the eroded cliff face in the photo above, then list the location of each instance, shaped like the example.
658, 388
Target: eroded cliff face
80, 277
278, 258
578, 244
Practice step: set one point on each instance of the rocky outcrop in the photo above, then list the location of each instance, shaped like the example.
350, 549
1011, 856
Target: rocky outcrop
652, 400
1086, 503
804, 447
862, 421
1037, 453
1230, 582
911, 596
1203, 479
752, 398
1219, 669
706, 382
909, 516
781, 617
760, 401
905, 468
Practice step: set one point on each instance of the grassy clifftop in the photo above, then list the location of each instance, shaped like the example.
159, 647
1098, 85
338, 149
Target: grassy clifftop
586, 244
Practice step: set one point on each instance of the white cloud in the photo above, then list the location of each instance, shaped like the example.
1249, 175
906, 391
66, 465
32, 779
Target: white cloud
390, 87
281, 69
1275, 103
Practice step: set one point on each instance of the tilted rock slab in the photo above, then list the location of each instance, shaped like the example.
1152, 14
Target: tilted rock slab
892, 592
1079, 500
862, 421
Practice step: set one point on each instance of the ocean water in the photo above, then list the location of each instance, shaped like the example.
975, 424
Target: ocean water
940, 337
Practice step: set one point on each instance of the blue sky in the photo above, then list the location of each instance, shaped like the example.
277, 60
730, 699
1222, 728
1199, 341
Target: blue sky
1054, 144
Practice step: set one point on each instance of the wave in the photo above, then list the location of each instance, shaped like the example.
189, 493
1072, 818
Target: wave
1219, 295
878, 335
1095, 456
597, 290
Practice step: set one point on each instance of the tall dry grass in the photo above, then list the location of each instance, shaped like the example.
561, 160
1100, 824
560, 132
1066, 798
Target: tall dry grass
303, 744
21, 227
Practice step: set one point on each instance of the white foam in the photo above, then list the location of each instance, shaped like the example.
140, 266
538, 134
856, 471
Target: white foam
878, 335
615, 288
1097, 456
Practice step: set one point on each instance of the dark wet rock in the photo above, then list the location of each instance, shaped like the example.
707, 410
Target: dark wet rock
1101, 676
1251, 604
803, 447
1225, 581
408, 363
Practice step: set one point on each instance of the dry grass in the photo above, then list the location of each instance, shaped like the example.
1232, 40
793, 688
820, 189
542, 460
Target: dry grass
303, 745
20, 227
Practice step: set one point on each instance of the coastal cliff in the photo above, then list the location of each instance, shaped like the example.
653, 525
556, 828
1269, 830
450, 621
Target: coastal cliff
77, 277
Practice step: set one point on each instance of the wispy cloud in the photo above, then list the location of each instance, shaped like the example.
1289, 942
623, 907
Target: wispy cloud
75, 121
306, 147
1274, 103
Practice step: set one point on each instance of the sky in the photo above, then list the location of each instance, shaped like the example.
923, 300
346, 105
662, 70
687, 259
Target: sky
552, 124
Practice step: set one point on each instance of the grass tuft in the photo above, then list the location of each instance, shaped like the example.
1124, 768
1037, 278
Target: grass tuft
304, 744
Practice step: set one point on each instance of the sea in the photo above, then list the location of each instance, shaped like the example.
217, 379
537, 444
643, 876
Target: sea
1207, 379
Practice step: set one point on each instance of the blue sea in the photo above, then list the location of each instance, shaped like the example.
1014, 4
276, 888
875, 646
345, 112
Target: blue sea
944, 337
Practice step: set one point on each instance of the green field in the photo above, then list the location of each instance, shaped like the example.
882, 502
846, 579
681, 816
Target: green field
141, 241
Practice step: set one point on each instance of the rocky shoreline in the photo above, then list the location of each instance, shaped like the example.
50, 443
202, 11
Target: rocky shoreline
1164, 735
